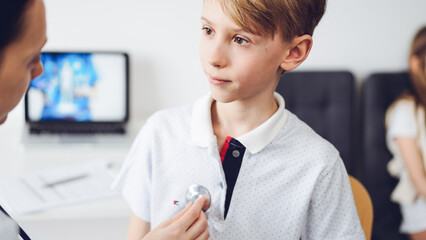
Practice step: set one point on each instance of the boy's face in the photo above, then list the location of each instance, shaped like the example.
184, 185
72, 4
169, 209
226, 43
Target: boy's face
239, 65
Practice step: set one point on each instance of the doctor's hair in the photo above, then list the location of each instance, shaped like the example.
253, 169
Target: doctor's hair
291, 18
418, 77
12, 21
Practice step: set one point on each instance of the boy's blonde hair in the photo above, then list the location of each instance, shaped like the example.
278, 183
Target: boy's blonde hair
265, 17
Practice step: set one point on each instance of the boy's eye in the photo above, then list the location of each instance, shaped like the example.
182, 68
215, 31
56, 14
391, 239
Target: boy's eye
240, 40
207, 30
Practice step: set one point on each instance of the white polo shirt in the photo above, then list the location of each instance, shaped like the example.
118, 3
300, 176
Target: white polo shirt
292, 183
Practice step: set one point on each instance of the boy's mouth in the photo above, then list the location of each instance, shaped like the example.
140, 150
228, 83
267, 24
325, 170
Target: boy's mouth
218, 81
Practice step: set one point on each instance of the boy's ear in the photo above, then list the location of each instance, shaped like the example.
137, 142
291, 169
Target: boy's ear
298, 52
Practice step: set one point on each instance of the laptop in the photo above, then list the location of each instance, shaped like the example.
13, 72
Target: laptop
79, 93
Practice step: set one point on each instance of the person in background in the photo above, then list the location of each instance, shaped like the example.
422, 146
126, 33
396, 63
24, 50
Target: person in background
22, 36
406, 140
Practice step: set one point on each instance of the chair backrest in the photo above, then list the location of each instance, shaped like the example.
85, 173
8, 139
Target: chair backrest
325, 101
364, 206
378, 92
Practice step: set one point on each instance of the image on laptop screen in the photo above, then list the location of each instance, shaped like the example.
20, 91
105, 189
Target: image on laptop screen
80, 87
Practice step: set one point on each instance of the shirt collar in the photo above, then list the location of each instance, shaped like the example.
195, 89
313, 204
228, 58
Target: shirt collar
255, 140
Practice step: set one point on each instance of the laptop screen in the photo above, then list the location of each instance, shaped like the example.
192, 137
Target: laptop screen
79, 87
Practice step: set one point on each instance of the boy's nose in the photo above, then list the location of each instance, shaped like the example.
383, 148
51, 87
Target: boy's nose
218, 56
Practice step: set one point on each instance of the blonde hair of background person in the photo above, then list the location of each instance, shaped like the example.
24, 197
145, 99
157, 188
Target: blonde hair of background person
410, 149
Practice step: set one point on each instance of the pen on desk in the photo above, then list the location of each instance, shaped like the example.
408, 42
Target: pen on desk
66, 180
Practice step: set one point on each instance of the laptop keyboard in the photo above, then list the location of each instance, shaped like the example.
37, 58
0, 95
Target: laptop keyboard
78, 129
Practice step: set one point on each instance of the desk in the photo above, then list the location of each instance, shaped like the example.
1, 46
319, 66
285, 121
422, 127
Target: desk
103, 220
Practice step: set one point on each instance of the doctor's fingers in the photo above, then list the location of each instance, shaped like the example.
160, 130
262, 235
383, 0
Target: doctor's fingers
191, 215
177, 216
205, 235
198, 228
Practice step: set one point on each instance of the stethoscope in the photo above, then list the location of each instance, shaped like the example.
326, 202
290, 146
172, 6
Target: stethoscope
195, 192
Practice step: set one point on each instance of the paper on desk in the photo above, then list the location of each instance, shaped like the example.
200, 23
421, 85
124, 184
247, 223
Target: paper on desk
31, 192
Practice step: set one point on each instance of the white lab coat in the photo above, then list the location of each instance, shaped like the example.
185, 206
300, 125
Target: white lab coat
8, 228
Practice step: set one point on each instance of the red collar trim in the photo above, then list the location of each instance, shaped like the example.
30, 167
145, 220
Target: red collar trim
225, 148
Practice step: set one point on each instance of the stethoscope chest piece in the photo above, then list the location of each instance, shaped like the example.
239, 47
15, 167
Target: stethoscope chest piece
195, 192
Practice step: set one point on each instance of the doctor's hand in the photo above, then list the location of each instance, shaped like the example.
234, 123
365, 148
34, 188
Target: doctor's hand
188, 224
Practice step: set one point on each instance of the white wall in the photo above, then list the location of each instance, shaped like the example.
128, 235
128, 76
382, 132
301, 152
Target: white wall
161, 36
366, 36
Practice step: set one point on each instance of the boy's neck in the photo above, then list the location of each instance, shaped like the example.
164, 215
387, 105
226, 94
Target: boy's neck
240, 117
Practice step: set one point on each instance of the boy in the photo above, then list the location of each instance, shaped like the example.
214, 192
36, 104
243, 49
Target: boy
270, 176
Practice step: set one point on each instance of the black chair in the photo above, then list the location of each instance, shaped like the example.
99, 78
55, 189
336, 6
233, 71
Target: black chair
325, 101
378, 92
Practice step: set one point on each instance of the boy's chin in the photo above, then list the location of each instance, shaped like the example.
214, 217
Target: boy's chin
220, 97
